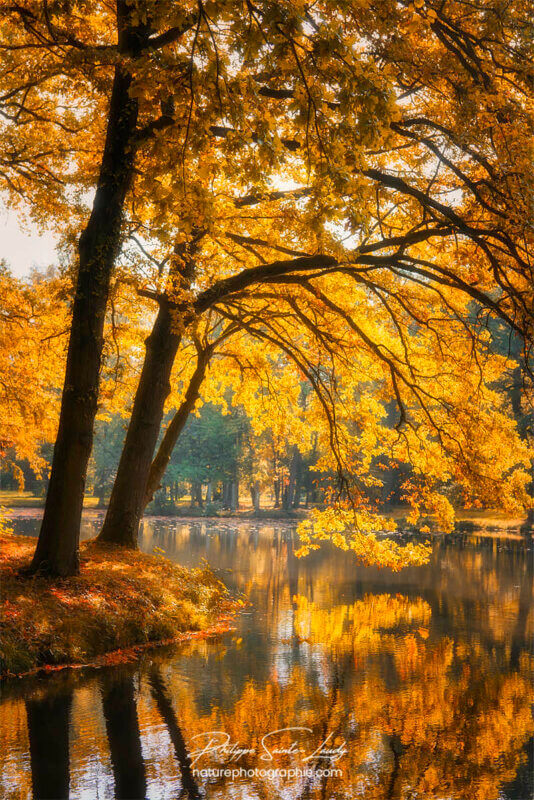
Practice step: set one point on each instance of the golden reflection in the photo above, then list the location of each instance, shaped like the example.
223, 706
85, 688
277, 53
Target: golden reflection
421, 684
424, 718
15, 772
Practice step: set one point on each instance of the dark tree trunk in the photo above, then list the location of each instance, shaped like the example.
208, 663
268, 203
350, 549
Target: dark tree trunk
122, 727
290, 497
308, 487
285, 497
276, 487
297, 463
234, 495
57, 547
197, 494
127, 501
48, 732
255, 495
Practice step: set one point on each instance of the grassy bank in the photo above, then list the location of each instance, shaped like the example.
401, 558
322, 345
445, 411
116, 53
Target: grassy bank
121, 599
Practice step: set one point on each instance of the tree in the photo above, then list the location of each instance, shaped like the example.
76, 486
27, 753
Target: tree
208, 450
24, 90
178, 422
347, 122
108, 441
51, 52
441, 377
139, 473
34, 322
405, 236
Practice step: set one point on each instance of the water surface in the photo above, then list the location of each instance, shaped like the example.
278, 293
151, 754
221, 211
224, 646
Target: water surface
339, 682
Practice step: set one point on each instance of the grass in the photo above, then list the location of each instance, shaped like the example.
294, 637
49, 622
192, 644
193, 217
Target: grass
122, 599
22, 499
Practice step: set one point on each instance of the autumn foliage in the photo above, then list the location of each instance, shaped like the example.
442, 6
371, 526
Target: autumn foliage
115, 604
342, 192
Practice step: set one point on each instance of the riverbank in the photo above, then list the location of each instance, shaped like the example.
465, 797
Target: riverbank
22, 504
13, 501
122, 600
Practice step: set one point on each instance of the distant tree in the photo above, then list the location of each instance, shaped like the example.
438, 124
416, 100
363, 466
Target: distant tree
208, 451
34, 322
108, 441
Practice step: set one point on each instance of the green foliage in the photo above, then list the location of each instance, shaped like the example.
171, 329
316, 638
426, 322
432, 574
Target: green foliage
209, 448
109, 437
162, 505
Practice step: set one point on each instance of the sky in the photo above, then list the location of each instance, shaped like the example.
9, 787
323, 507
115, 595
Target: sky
22, 247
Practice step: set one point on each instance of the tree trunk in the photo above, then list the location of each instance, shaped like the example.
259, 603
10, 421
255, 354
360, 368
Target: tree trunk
289, 492
127, 499
165, 708
520, 416
234, 495
255, 495
176, 426
276, 487
197, 486
308, 488
297, 463
57, 547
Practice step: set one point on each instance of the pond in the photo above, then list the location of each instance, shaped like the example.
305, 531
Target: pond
338, 682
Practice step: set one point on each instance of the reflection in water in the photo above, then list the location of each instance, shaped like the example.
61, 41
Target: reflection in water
122, 728
165, 708
48, 734
350, 682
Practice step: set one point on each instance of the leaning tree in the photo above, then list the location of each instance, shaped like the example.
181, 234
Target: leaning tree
430, 218
385, 142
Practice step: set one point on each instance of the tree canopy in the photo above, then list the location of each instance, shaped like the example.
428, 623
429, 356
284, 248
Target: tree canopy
340, 183
33, 321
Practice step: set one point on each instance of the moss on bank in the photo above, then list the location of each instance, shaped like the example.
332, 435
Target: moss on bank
121, 598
